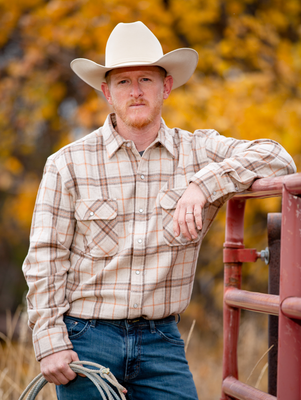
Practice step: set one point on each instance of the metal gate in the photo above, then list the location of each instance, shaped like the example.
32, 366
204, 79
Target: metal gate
286, 305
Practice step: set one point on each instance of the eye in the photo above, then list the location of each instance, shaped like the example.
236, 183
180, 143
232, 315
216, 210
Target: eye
145, 79
122, 82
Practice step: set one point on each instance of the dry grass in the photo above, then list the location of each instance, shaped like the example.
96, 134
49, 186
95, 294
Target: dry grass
18, 365
204, 353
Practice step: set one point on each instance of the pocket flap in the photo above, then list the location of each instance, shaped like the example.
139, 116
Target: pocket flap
86, 210
169, 198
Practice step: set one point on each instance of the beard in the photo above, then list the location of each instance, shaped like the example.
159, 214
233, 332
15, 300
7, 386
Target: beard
137, 118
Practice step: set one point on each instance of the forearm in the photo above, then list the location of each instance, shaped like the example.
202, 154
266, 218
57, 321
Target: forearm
240, 163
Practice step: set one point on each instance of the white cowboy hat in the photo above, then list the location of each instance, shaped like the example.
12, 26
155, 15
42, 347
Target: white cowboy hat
134, 44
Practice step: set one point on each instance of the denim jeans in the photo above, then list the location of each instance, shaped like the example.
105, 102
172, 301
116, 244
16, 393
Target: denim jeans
146, 357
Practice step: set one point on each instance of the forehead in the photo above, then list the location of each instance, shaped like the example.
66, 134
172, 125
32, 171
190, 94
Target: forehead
135, 71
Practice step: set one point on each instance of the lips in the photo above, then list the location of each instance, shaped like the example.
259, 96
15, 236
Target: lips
138, 104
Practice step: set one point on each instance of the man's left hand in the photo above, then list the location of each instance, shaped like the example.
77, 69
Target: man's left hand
187, 219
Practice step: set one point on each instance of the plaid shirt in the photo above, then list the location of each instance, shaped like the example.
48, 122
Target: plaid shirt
102, 241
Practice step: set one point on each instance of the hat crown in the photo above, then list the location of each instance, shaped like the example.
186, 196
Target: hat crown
132, 43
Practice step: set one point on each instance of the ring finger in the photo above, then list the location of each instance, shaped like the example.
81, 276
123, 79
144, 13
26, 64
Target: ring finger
190, 222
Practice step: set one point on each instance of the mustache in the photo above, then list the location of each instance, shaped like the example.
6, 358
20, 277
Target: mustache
133, 102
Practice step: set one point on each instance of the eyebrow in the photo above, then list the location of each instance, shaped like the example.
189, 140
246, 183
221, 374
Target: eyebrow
162, 71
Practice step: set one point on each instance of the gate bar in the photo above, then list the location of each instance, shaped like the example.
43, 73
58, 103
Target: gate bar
238, 390
263, 303
289, 348
253, 301
232, 278
272, 187
291, 307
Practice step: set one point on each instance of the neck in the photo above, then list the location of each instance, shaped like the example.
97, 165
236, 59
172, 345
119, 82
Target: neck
142, 137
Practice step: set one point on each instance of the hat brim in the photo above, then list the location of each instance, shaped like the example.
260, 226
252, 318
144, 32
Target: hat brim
180, 64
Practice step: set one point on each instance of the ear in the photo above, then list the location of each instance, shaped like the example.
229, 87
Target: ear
167, 86
106, 91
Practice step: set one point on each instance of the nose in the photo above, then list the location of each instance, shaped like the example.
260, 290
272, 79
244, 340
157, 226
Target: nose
136, 90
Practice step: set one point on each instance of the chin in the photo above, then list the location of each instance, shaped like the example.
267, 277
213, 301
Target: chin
138, 122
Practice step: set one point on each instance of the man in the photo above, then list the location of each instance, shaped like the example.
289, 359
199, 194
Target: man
119, 221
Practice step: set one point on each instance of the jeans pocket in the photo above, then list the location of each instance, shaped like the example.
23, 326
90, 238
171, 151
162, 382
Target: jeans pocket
76, 327
170, 333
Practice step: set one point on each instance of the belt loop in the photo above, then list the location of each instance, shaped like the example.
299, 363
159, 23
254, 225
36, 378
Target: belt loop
152, 326
179, 318
93, 323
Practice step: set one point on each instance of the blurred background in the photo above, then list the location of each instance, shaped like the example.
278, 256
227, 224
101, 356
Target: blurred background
247, 85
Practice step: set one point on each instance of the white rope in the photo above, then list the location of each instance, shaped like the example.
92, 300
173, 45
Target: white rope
98, 376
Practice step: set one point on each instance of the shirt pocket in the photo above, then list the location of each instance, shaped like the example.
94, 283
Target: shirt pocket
168, 202
97, 222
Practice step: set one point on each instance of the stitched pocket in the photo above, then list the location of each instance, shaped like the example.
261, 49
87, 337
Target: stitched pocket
76, 327
170, 333
97, 223
168, 202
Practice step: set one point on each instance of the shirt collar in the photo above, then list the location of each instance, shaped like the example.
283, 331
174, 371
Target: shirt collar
166, 138
113, 141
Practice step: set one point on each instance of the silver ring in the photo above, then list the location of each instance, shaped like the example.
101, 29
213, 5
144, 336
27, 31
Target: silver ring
189, 212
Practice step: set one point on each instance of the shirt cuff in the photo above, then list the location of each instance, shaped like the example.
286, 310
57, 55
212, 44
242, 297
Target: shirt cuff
215, 186
51, 341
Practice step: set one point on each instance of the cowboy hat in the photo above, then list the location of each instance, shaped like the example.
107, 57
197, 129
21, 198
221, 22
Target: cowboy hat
134, 44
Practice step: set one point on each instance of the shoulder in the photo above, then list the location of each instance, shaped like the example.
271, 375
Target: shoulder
185, 135
87, 143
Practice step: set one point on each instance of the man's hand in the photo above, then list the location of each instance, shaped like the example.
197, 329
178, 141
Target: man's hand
188, 215
55, 368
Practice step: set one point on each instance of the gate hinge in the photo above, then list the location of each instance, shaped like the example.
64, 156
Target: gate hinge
245, 255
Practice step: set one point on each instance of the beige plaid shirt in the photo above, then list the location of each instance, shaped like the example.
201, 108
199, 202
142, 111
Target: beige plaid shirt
102, 241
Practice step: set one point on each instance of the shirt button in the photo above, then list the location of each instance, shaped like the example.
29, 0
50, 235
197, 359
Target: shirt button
142, 177
236, 188
135, 305
141, 210
128, 144
91, 213
137, 272
139, 241
214, 193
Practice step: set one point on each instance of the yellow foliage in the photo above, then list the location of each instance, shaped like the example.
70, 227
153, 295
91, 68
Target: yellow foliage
18, 211
13, 165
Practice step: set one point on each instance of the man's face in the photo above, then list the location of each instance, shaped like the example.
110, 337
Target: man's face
136, 94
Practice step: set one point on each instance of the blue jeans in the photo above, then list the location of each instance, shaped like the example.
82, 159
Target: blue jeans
146, 357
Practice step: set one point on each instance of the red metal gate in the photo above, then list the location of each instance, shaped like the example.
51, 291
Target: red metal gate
286, 305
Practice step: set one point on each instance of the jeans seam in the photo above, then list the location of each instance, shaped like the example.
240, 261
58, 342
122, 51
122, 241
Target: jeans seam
137, 361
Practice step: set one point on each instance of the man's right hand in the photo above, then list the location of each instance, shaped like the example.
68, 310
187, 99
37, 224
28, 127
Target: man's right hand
55, 368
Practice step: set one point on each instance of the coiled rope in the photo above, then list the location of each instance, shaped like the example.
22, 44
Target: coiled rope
97, 376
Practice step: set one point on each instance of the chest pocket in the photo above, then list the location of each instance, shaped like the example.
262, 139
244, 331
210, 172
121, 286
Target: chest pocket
168, 202
97, 226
